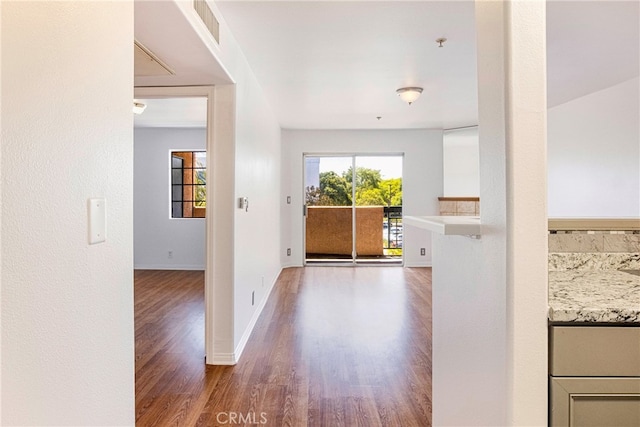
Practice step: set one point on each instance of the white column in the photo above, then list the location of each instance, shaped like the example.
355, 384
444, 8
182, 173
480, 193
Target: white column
490, 295
526, 124
220, 231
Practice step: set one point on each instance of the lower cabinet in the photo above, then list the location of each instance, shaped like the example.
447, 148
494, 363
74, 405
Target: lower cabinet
597, 402
594, 376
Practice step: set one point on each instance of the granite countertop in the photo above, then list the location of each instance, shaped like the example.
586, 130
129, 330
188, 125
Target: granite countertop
594, 296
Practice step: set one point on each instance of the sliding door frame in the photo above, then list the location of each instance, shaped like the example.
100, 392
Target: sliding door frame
353, 156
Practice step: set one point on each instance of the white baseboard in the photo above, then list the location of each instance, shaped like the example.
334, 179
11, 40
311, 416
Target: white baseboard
292, 264
416, 264
226, 359
254, 319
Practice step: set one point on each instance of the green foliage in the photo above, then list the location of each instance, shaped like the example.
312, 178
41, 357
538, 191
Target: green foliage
393, 252
365, 178
334, 190
392, 191
370, 197
201, 188
371, 189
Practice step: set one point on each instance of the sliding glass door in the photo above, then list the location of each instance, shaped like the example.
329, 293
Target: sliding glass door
351, 217
378, 201
328, 209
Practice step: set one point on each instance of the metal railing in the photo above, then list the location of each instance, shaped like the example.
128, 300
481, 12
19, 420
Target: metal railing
392, 228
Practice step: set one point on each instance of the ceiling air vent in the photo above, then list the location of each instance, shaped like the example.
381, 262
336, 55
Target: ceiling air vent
202, 9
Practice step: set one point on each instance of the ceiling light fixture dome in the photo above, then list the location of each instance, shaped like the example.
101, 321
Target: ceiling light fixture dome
409, 94
138, 107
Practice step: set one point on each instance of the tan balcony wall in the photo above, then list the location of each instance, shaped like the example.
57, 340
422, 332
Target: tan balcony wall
329, 232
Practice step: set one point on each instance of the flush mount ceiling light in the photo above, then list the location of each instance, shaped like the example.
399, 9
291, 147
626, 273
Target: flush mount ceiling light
138, 107
409, 94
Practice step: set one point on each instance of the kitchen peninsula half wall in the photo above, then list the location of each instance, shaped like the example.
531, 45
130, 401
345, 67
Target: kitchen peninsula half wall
458, 216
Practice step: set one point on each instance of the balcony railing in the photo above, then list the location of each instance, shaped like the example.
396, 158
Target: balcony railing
392, 228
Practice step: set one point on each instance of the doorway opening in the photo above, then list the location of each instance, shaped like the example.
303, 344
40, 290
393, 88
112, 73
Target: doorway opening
353, 218
182, 131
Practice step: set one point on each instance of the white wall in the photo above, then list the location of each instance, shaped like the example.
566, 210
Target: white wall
247, 246
67, 136
257, 177
421, 185
461, 159
1, 258
594, 154
155, 233
490, 295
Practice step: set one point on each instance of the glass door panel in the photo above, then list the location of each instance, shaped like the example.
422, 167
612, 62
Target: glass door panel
378, 215
328, 209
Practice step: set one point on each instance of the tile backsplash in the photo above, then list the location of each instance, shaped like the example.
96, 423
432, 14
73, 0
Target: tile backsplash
459, 206
596, 242
597, 249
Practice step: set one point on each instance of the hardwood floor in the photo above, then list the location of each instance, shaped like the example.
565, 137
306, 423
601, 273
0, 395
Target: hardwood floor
334, 346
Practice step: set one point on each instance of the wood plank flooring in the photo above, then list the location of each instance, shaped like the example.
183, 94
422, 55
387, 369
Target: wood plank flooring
334, 346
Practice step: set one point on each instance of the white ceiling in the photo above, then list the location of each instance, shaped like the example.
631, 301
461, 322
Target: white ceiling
336, 65
172, 112
591, 45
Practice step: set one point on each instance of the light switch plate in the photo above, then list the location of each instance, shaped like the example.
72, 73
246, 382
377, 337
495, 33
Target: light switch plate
97, 221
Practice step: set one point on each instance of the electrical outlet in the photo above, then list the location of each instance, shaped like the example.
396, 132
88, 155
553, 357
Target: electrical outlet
253, 297
423, 251
288, 200
170, 254
288, 251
